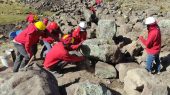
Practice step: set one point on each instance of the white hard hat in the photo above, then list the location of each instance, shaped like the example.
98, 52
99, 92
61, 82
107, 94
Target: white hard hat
150, 20
83, 25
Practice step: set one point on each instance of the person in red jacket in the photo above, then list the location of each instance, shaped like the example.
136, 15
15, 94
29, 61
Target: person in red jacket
80, 35
45, 21
31, 18
59, 54
152, 44
52, 33
24, 41
98, 3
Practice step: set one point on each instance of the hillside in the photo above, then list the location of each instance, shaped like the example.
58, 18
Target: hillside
115, 58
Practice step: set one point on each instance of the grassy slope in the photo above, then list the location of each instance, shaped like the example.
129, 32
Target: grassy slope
10, 13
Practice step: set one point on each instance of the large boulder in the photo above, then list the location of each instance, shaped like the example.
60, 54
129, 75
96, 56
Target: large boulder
101, 49
143, 83
104, 70
133, 48
123, 68
87, 88
32, 82
165, 28
106, 29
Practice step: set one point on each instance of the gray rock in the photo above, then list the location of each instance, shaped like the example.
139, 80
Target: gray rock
87, 14
106, 29
123, 69
143, 83
133, 48
104, 70
138, 27
101, 49
87, 88
32, 82
165, 28
155, 89
124, 29
133, 19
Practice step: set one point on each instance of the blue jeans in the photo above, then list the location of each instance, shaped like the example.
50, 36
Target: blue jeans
149, 62
48, 46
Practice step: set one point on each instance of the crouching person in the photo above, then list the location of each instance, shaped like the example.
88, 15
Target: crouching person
59, 55
24, 41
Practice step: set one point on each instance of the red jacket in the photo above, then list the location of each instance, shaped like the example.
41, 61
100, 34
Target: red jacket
52, 36
153, 42
29, 37
59, 53
79, 37
92, 10
30, 18
98, 1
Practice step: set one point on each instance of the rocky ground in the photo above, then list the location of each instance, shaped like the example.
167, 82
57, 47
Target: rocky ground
117, 58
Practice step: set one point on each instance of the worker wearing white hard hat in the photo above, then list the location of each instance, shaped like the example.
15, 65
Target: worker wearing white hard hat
79, 34
152, 44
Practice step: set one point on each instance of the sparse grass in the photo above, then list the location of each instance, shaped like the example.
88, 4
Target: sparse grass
145, 4
14, 12
6, 19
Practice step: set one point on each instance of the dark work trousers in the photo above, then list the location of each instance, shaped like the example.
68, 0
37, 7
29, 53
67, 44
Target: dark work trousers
34, 49
58, 66
22, 57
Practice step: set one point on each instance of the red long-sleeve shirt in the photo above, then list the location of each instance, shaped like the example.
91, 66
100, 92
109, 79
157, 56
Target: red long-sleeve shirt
153, 42
59, 53
29, 37
30, 18
52, 36
98, 1
79, 37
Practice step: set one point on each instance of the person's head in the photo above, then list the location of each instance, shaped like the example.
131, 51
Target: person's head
150, 21
67, 40
53, 26
40, 26
45, 21
82, 26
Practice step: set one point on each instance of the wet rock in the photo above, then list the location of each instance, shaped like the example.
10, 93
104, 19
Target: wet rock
34, 82
87, 88
101, 49
106, 29
104, 70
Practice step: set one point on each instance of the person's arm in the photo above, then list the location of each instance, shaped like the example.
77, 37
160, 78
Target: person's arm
72, 58
149, 41
75, 47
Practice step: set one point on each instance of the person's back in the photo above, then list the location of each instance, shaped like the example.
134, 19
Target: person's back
54, 55
30, 30
60, 53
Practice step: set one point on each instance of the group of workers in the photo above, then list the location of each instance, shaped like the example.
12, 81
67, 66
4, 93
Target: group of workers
57, 56
48, 32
